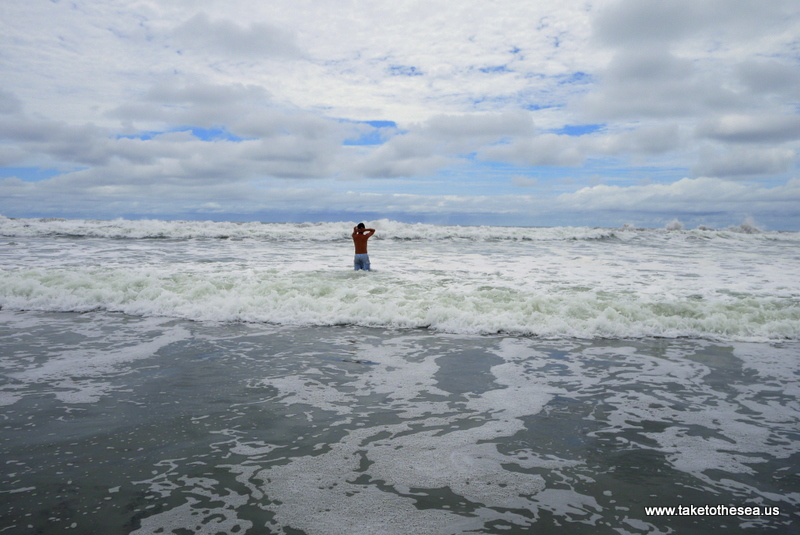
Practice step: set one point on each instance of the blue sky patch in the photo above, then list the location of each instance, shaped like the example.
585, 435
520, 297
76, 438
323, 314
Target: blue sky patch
142, 135
578, 129
495, 69
29, 174
381, 124
404, 70
576, 78
203, 134
535, 107
214, 134
374, 137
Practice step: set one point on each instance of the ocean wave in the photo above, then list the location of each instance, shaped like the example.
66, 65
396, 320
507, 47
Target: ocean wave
337, 231
347, 298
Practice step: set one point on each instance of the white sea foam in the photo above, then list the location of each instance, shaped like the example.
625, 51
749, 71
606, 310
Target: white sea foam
85, 375
395, 442
558, 282
332, 231
382, 300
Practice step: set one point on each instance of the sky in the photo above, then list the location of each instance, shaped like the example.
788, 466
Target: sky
490, 112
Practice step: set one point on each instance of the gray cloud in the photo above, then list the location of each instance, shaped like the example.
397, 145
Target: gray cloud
770, 77
438, 142
524, 181
660, 86
289, 144
488, 125
714, 200
646, 140
543, 149
684, 58
227, 37
195, 103
653, 83
405, 155
642, 21
740, 128
639, 22
744, 163
9, 103
563, 150
11, 156
687, 196
63, 142
205, 94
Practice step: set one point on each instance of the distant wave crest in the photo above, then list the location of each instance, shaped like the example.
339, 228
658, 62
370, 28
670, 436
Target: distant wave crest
387, 230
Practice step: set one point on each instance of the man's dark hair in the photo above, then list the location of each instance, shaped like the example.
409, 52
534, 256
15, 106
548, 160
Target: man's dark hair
361, 225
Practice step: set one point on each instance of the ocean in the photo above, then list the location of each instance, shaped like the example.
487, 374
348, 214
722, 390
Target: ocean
196, 377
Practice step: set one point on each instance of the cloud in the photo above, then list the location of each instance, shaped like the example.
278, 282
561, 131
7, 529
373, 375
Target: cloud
57, 140
641, 22
770, 77
690, 58
646, 140
225, 36
299, 151
165, 104
483, 125
407, 155
193, 102
542, 149
687, 196
709, 201
11, 156
744, 163
654, 83
559, 150
741, 128
9, 103
440, 141
524, 181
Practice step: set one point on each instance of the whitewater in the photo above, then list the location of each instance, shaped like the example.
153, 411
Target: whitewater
736, 284
175, 377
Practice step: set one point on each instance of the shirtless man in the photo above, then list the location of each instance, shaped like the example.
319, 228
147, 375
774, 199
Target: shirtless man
360, 237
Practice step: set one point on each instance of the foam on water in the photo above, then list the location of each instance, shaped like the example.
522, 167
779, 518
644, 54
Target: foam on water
354, 430
389, 230
74, 374
573, 282
463, 305
369, 480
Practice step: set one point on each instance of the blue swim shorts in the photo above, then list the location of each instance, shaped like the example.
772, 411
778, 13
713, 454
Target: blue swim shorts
361, 261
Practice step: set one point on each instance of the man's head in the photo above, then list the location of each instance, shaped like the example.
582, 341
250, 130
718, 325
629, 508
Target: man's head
361, 226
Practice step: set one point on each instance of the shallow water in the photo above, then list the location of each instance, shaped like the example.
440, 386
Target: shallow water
115, 423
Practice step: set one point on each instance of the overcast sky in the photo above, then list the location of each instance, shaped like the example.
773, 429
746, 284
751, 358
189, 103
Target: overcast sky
506, 112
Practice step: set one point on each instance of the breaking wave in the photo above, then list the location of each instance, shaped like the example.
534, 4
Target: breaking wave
388, 230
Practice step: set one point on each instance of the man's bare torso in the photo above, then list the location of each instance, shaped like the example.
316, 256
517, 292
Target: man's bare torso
360, 237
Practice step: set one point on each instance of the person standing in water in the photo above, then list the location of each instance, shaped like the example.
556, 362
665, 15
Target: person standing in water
360, 237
